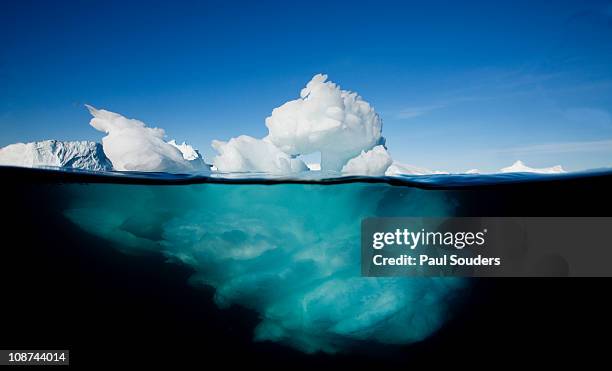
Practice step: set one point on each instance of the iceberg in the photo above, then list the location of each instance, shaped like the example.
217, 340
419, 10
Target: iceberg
520, 167
81, 155
289, 252
397, 168
190, 154
132, 146
248, 154
373, 162
337, 123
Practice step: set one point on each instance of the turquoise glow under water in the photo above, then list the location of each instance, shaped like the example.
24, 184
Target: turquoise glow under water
290, 252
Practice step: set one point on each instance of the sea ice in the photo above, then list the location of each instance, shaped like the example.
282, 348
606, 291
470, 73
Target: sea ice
54, 153
132, 146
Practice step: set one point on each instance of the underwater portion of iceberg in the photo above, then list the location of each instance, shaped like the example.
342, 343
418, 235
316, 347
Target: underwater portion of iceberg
290, 252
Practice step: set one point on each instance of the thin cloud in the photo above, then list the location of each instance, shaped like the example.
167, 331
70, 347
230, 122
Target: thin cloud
486, 85
412, 112
562, 147
592, 116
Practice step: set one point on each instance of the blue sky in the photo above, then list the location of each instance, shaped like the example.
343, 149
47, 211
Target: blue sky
459, 85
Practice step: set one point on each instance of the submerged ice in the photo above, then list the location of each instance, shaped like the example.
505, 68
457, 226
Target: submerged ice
290, 252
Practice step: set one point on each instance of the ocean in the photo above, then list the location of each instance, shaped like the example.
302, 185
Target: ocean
157, 268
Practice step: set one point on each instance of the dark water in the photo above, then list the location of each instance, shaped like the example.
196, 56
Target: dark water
67, 284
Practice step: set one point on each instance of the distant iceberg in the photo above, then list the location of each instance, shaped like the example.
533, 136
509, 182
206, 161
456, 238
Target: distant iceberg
82, 155
520, 167
397, 168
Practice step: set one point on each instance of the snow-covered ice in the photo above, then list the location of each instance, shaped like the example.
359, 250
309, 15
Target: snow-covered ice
54, 153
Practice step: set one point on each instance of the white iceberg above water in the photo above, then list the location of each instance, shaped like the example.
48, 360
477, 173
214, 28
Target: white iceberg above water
520, 167
188, 152
325, 119
132, 146
372, 163
128, 146
248, 154
338, 124
397, 168
82, 155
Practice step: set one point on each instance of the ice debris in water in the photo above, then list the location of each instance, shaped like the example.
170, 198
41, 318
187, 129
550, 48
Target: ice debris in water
132, 146
289, 252
325, 119
82, 155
